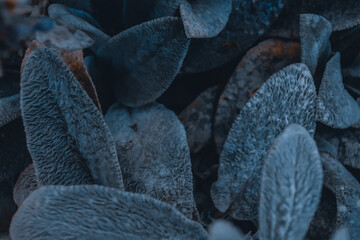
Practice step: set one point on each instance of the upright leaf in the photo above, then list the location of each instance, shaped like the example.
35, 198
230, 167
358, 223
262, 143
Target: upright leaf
80, 148
153, 154
335, 106
205, 18
287, 97
315, 32
145, 59
291, 185
97, 212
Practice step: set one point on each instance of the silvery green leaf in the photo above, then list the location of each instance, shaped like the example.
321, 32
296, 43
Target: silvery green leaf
347, 191
97, 212
63, 14
145, 59
286, 97
197, 119
153, 154
291, 185
9, 109
63, 37
341, 234
315, 32
248, 21
223, 230
205, 18
80, 148
335, 106
258, 64
26, 184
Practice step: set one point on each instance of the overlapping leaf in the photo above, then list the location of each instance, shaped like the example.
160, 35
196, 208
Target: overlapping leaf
66, 134
341, 234
26, 184
315, 32
82, 5
223, 230
254, 69
291, 185
197, 119
287, 97
83, 212
9, 109
145, 59
153, 154
204, 18
335, 106
347, 191
63, 14
247, 22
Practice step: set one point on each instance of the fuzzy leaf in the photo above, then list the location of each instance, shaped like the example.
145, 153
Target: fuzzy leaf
97, 212
26, 184
77, 4
286, 97
9, 109
146, 58
61, 13
223, 230
347, 191
258, 64
138, 11
341, 234
153, 154
80, 148
248, 21
291, 185
205, 18
197, 119
315, 32
335, 106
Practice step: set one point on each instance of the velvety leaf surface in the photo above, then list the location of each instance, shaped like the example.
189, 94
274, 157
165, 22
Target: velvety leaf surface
315, 32
341, 234
135, 12
26, 184
347, 191
198, 118
61, 13
249, 140
9, 109
77, 212
145, 59
205, 18
335, 106
259, 63
153, 154
223, 230
248, 21
80, 149
291, 185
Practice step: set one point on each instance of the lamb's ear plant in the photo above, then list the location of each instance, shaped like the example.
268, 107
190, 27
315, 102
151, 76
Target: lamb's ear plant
26, 184
9, 109
237, 189
53, 101
291, 185
97, 212
161, 168
223, 230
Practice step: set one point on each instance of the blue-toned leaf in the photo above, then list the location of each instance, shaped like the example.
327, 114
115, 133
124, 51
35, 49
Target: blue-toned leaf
347, 191
9, 109
291, 185
223, 230
67, 136
138, 11
153, 154
205, 18
64, 15
258, 64
197, 119
145, 59
335, 106
26, 184
341, 234
315, 32
97, 212
77, 4
248, 21
286, 97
